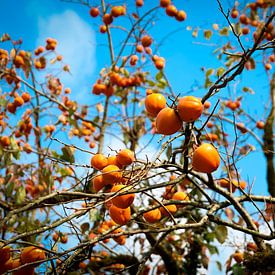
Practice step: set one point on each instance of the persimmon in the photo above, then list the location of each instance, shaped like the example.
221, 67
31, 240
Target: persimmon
133, 60
243, 19
26, 97
260, 124
125, 157
152, 216
32, 254
107, 19
5, 141
99, 161
94, 12
39, 50
122, 201
165, 3
11, 107
9, 265
139, 3
180, 196
18, 101
120, 216
171, 10
181, 16
139, 48
146, 41
268, 66
251, 247
118, 11
111, 174
234, 13
245, 30
160, 63
109, 91
99, 88
4, 254
154, 103
102, 28
206, 159
238, 257
168, 122
189, 108
172, 208
113, 160
18, 61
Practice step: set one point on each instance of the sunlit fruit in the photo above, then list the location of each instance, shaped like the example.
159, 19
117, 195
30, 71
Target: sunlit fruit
146, 41
99, 161
181, 15
171, 208
238, 257
122, 201
180, 196
4, 254
206, 159
154, 103
152, 216
190, 108
171, 10
168, 122
94, 12
260, 124
125, 157
119, 215
111, 174
165, 3
32, 254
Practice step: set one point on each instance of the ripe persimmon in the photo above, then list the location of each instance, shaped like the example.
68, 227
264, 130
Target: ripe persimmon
172, 208
165, 3
160, 63
99, 161
102, 28
32, 254
18, 101
113, 160
4, 254
125, 157
234, 13
190, 108
168, 122
180, 196
107, 19
152, 216
238, 256
26, 97
260, 124
206, 158
118, 11
99, 88
181, 15
122, 201
146, 41
154, 103
171, 10
111, 174
94, 12
139, 3
120, 216
9, 264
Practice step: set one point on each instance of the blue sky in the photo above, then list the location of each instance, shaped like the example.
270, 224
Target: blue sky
83, 49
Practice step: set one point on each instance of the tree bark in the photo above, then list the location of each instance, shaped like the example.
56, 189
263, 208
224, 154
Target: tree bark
268, 147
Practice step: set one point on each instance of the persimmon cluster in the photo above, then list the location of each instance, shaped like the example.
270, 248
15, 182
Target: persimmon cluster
28, 255
111, 175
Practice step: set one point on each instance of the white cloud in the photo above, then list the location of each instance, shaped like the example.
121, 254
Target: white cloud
76, 43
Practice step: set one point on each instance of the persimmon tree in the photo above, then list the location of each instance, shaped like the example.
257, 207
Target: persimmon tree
125, 211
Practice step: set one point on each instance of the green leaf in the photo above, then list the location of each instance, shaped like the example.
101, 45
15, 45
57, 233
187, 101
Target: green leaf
15, 149
221, 233
207, 83
237, 270
94, 215
67, 154
248, 90
9, 188
220, 71
3, 102
207, 34
219, 265
213, 249
224, 31
159, 75
20, 195
209, 72
169, 151
150, 83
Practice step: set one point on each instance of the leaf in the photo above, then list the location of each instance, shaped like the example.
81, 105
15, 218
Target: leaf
85, 227
209, 72
220, 71
237, 270
224, 31
169, 151
15, 149
207, 34
20, 195
207, 83
150, 83
213, 249
159, 75
9, 188
248, 90
195, 33
219, 265
67, 154
93, 215
221, 233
